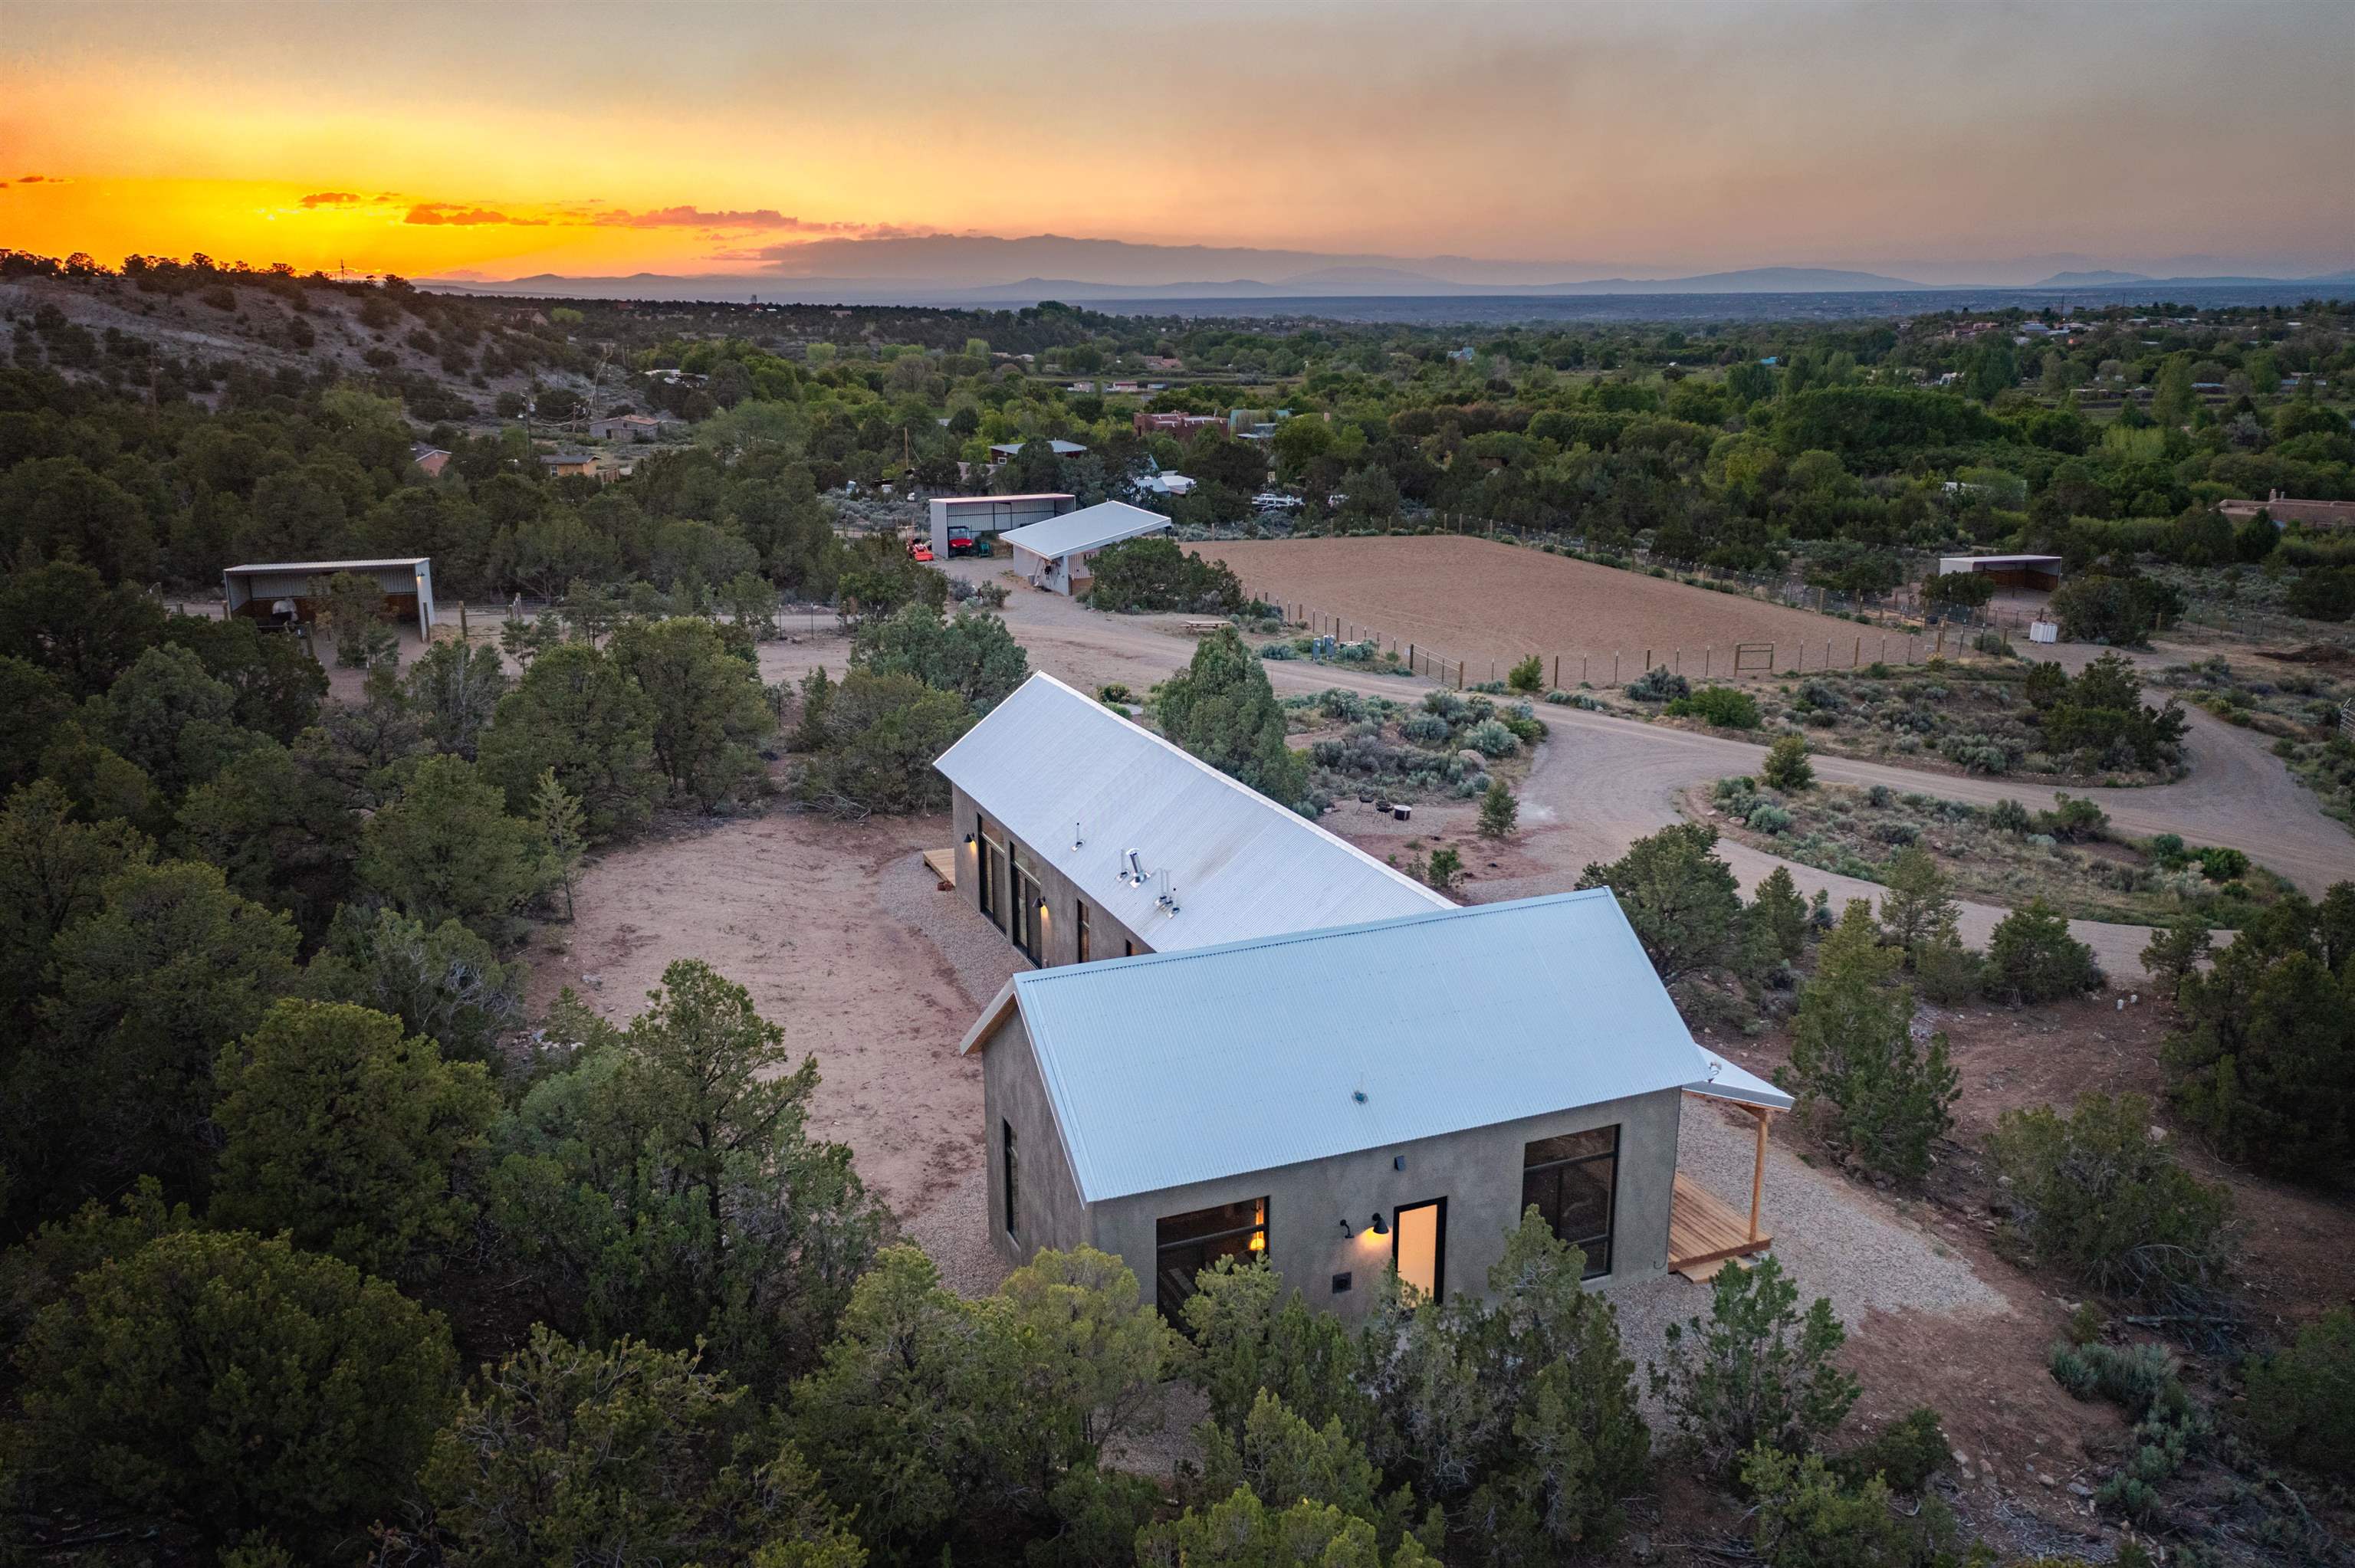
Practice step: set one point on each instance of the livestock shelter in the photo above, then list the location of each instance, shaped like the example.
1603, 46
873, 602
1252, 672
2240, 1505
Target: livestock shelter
975, 518
277, 593
1390, 1094
1087, 836
1055, 555
2008, 571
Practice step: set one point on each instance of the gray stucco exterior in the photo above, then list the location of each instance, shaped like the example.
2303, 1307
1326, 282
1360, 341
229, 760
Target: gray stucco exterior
1478, 1171
1058, 931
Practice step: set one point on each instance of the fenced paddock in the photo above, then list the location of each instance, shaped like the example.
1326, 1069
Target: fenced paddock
1464, 609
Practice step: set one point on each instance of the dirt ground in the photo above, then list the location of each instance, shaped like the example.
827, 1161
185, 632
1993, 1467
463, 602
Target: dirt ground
1482, 601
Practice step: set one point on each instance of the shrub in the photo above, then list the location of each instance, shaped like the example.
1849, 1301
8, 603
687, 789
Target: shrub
2032, 958
2301, 1400
1528, 675
1658, 686
2222, 864
1156, 574
2009, 816
874, 744
2129, 1376
1424, 729
1766, 817
1489, 737
1727, 708
1500, 813
2095, 1193
1809, 1517
2073, 820
1445, 869
1757, 1374
2168, 850
1787, 766
1906, 1453
1114, 694
1448, 705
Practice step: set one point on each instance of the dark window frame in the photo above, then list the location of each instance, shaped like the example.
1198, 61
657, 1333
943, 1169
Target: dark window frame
1170, 1301
1600, 1246
1080, 929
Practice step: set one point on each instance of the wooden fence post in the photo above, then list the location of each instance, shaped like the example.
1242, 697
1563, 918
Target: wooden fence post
1615, 666
1856, 654
1556, 672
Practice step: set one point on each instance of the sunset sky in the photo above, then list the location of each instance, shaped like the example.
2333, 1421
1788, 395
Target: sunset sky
505, 139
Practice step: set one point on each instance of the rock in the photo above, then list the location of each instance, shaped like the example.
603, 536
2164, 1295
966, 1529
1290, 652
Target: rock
1639, 1546
594, 983
2044, 1480
1471, 758
2081, 1489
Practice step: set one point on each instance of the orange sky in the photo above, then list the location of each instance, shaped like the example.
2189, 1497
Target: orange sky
692, 138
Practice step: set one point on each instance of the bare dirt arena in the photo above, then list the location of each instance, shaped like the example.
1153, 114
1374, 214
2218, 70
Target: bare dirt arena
1478, 599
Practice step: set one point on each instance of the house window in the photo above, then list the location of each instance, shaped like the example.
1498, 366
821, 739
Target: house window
1080, 929
990, 873
1188, 1244
1013, 1163
1573, 1180
1025, 926
1127, 949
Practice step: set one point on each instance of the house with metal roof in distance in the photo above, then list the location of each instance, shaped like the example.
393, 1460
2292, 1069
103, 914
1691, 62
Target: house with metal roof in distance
1383, 1093
1083, 836
1004, 451
282, 593
1055, 555
2008, 571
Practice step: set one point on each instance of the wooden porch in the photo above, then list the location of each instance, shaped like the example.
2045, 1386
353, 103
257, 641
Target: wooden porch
1705, 1233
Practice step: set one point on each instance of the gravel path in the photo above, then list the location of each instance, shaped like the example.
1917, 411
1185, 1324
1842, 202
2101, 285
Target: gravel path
1831, 1241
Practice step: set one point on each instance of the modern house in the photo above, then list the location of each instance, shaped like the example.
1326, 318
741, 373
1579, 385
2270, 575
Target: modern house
566, 465
2008, 571
280, 593
959, 523
1055, 555
1340, 1100
1084, 836
1185, 427
1273, 1043
1003, 451
429, 460
626, 427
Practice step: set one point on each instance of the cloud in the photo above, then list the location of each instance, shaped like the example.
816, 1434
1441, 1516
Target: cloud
330, 198
42, 180
767, 217
462, 216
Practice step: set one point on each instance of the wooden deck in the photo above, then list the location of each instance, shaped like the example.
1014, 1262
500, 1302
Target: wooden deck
1704, 1231
941, 863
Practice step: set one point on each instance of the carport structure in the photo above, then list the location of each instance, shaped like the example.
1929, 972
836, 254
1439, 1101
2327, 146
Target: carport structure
278, 593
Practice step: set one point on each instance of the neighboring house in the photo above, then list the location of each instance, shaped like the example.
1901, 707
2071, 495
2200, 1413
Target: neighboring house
2008, 571
427, 460
1157, 483
559, 465
1185, 427
1339, 1101
1055, 555
2285, 510
1163, 362
626, 427
961, 525
1002, 452
278, 593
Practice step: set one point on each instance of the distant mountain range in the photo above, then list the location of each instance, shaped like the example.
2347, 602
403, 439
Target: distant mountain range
997, 271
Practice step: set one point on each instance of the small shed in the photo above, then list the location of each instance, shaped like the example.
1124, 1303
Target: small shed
278, 593
1056, 555
961, 523
2008, 571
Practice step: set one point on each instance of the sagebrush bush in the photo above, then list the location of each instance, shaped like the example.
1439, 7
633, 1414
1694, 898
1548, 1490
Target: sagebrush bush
1489, 737
1724, 706
1657, 684
1766, 817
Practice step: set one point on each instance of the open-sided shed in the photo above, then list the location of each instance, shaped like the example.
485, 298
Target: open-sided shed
1055, 555
279, 592
961, 522
2008, 571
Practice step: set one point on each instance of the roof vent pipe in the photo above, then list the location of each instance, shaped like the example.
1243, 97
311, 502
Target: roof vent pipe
1134, 875
1076, 840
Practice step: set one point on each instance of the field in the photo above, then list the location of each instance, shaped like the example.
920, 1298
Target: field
1478, 600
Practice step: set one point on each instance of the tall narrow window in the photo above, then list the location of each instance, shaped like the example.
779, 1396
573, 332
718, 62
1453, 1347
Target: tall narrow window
981, 855
1013, 1180
1184, 1245
1574, 1182
1080, 929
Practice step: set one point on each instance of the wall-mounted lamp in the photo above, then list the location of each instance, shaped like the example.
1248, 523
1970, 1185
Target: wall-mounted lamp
968, 841
1381, 1225
1348, 1229
1042, 906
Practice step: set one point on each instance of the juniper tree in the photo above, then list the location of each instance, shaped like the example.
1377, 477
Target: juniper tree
1500, 813
557, 814
1879, 1096
1221, 708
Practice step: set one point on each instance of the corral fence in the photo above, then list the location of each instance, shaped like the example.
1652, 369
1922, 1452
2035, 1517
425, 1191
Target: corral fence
1566, 671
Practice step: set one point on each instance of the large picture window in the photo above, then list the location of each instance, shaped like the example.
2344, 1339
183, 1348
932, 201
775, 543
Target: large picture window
989, 870
1188, 1244
1573, 1180
1025, 928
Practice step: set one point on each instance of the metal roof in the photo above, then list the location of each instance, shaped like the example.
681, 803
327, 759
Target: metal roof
1089, 528
1058, 446
1000, 500
1054, 766
2000, 560
328, 565
1172, 1068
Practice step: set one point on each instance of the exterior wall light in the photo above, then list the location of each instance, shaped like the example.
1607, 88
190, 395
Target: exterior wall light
968, 841
1381, 1225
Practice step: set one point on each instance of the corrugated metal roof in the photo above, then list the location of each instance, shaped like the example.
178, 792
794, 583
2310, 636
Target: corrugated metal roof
1050, 760
1089, 528
1058, 446
1172, 1068
328, 565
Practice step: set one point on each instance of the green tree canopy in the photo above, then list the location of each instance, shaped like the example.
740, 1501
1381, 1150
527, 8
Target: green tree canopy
1682, 900
447, 850
1221, 708
708, 711
576, 710
972, 654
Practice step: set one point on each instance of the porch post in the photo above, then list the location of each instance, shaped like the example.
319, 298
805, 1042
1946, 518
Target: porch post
1758, 1170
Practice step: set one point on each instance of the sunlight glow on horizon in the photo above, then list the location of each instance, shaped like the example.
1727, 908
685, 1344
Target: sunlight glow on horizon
1687, 138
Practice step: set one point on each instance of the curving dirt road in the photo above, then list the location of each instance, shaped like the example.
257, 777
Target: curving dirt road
1600, 782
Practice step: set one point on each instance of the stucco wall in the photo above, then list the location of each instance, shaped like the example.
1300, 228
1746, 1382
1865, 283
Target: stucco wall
1048, 1210
1058, 933
1478, 1171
